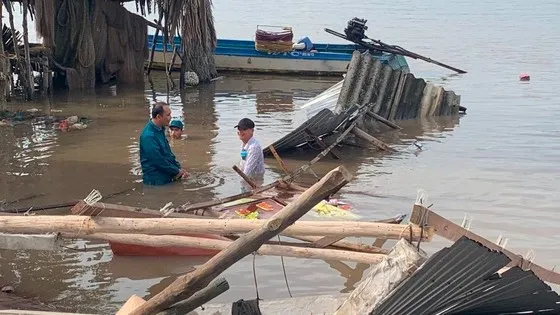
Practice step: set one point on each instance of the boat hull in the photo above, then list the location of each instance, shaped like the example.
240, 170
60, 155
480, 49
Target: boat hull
241, 56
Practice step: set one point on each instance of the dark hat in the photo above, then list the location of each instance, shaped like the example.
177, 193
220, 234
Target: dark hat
245, 124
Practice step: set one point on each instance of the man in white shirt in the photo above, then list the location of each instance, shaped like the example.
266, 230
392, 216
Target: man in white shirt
252, 158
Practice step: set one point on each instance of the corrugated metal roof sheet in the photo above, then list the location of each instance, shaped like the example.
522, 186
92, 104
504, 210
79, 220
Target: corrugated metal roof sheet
463, 279
324, 122
394, 94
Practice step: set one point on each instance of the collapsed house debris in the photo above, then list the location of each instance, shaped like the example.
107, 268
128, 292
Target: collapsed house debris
469, 278
474, 275
371, 93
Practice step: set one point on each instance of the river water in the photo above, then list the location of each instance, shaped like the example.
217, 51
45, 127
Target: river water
496, 164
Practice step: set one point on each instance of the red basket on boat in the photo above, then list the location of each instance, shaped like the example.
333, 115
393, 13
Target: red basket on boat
270, 41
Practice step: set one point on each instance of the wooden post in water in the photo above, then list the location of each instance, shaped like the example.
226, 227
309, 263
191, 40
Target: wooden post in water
154, 41
20, 65
4, 70
186, 285
28, 70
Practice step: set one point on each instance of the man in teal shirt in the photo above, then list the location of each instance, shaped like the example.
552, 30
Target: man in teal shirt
159, 165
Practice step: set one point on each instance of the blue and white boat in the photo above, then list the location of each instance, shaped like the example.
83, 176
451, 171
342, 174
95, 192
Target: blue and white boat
241, 56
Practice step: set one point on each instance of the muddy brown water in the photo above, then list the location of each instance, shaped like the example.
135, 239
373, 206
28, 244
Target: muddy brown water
497, 164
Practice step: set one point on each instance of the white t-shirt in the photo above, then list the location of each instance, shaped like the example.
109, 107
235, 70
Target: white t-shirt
253, 165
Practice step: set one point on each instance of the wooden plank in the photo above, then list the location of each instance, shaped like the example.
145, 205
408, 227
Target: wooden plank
369, 138
453, 232
245, 177
186, 285
278, 159
383, 120
30, 242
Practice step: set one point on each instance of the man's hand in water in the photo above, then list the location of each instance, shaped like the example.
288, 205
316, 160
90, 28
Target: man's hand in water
182, 175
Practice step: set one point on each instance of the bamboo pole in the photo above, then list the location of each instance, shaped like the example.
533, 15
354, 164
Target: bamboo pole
206, 243
82, 225
186, 285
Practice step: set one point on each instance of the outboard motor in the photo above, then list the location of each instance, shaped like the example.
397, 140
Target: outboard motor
355, 31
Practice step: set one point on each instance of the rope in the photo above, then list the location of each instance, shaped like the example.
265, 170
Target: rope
284, 269
255, 276
408, 226
86, 49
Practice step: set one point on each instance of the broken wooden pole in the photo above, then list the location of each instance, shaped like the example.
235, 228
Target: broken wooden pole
201, 297
186, 285
83, 225
207, 243
382, 279
383, 120
278, 159
369, 138
245, 177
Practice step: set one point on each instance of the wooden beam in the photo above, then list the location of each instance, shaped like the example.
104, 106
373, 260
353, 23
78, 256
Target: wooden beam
205, 295
245, 177
383, 120
329, 240
206, 243
83, 225
369, 138
451, 231
186, 285
278, 159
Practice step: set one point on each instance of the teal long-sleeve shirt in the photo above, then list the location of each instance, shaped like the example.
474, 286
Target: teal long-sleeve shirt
159, 165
